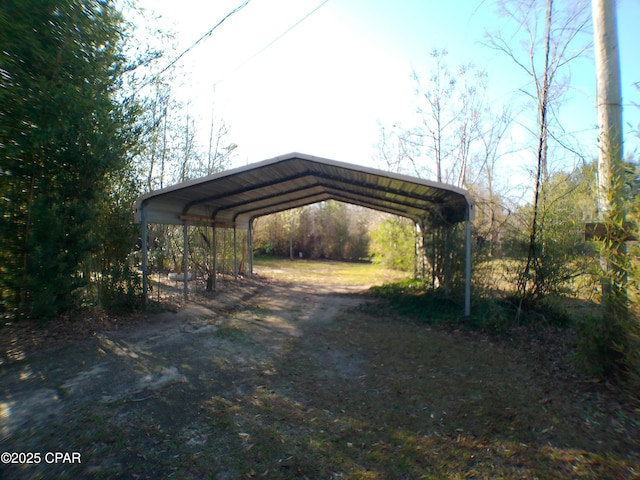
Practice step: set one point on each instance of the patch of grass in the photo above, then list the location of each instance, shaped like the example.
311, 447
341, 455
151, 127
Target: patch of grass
232, 332
260, 311
326, 272
415, 299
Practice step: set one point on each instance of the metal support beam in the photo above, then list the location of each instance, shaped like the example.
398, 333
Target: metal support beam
434, 264
250, 247
145, 241
416, 248
447, 261
185, 261
235, 252
215, 258
467, 267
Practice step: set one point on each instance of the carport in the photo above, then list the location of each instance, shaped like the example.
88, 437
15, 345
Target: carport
235, 198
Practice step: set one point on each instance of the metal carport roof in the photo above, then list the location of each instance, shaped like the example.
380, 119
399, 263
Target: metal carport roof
235, 197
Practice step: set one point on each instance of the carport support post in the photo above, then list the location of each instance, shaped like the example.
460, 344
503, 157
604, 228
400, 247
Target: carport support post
467, 267
235, 252
145, 239
417, 246
250, 246
215, 257
185, 259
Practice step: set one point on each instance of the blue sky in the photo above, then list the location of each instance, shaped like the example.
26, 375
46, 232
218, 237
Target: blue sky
323, 87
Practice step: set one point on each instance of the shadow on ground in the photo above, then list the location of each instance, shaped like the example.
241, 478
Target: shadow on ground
286, 380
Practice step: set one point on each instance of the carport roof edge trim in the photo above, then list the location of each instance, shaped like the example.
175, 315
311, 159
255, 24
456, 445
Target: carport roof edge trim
176, 197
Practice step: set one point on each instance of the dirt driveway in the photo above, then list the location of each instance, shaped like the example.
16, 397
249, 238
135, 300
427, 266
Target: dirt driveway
210, 348
281, 380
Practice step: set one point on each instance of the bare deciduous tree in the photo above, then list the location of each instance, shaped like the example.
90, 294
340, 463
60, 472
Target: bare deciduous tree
436, 112
544, 54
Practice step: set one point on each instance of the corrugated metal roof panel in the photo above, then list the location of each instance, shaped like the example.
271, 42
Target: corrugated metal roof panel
294, 180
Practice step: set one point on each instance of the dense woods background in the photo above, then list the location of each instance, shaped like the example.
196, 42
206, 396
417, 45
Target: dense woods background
86, 126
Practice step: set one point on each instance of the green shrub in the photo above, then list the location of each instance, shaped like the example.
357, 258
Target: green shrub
392, 244
120, 290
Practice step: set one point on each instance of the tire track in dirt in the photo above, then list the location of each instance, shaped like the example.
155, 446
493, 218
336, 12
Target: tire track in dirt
244, 326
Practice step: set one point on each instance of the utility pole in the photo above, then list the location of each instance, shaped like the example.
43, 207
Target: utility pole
609, 99
610, 166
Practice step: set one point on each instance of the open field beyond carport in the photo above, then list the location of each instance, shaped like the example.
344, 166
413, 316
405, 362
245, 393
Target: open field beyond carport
300, 373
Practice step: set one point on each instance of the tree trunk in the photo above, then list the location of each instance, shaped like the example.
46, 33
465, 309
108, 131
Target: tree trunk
541, 170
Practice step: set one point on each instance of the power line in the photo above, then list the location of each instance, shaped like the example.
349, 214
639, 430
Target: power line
271, 43
193, 45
